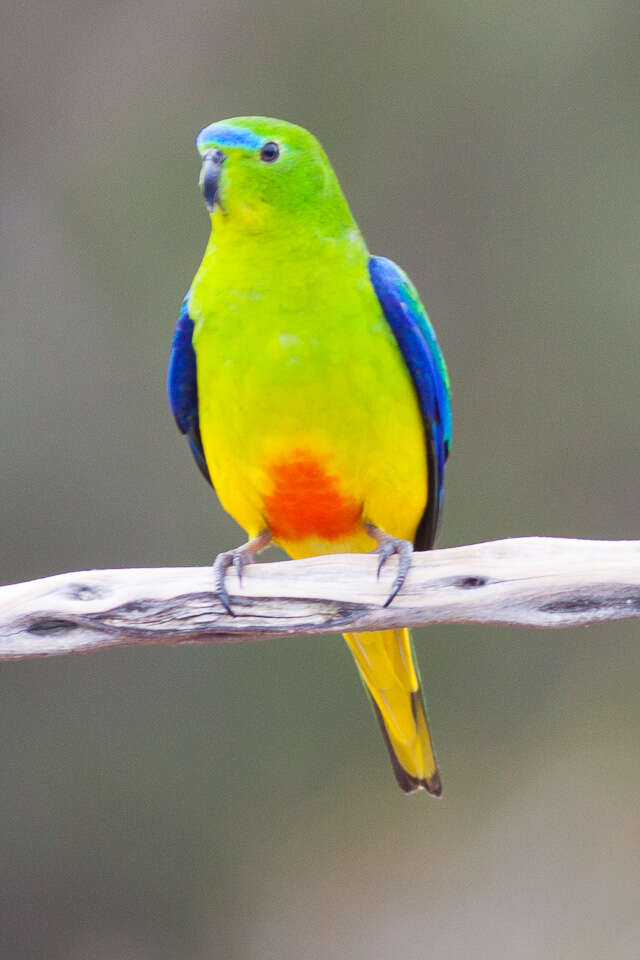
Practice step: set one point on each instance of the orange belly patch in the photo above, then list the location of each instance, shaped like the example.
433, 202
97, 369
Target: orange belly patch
306, 501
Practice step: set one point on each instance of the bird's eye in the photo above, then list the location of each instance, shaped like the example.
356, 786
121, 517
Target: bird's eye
270, 152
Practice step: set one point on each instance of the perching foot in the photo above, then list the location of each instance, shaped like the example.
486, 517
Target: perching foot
387, 547
238, 559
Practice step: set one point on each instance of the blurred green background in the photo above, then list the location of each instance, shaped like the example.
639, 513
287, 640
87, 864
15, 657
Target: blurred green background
237, 802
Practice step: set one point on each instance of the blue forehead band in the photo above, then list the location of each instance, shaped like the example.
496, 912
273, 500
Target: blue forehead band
219, 135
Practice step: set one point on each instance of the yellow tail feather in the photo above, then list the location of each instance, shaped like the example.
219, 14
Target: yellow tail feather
386, 664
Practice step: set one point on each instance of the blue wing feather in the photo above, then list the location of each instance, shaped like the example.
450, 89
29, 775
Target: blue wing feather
419, 347
182, 386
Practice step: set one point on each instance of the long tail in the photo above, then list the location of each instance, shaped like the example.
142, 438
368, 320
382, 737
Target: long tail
387, 666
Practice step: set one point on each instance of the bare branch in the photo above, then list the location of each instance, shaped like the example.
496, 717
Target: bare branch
531, 581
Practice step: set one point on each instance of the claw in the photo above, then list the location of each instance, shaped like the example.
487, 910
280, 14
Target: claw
385, 550
220, 566
387, 547
238, 559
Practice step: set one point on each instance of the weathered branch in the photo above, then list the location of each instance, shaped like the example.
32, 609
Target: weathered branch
528, 582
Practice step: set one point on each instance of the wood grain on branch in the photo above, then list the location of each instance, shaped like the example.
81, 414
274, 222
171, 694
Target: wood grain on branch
537, 582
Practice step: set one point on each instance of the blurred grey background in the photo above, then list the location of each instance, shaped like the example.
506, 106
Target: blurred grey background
237, 802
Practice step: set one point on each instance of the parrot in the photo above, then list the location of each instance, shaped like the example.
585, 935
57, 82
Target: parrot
310, 385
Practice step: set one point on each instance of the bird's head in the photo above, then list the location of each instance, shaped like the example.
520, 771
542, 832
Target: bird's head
256, 168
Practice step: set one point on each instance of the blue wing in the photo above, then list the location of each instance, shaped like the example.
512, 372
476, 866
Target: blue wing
419, 347
182, 386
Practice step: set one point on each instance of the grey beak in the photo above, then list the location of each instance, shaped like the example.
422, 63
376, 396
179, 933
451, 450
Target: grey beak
210, 176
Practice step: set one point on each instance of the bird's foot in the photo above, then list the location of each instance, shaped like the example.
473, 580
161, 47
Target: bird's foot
387, 547
238, 559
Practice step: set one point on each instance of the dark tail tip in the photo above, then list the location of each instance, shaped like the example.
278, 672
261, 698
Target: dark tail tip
406, 782
433, 785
